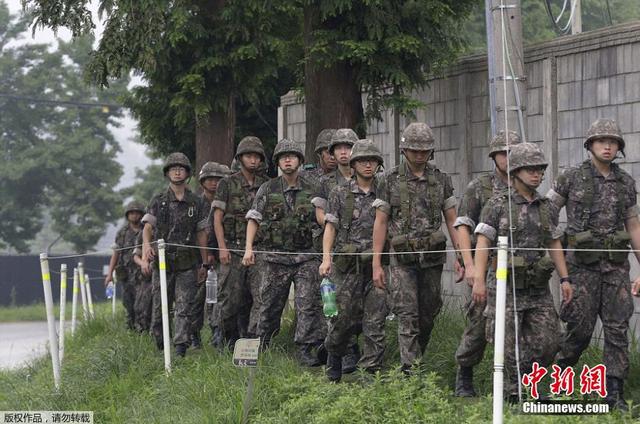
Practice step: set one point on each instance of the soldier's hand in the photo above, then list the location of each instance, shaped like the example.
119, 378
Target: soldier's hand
225, 256
567, 292
211, 260
458, 270
108, 279
249, 258
147, 252
479, 292
202, 275
325, 268
378, 277
635, 287
146, 267
470, 275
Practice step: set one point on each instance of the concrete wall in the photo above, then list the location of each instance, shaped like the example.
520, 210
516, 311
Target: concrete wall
571, 81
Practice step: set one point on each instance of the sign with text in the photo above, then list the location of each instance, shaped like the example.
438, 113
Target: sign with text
245, 352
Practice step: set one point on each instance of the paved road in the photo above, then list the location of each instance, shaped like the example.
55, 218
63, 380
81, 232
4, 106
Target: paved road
21, 342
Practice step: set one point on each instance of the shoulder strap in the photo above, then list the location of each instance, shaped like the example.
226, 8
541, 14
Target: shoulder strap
619, 191
487, 187
587, 198
405, 199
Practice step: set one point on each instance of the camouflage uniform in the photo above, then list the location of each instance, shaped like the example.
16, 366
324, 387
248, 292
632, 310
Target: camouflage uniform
600, 205
239, 293
143, 303
285, 216
534, 227
127, 270
177, 221
414, 206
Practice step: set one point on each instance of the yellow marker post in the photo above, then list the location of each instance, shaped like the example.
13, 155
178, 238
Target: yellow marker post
74, 303
51, 319
83, 291
63, 304
162, 265
498, 353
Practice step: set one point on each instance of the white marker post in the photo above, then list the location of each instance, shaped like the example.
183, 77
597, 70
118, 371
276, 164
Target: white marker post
74, 304
498, 355
51, 319
162, 265
63, 304
113, 298
83, 292
87, 281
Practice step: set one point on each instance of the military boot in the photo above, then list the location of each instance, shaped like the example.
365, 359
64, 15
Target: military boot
464, 382
614, 397
181, 349
307, 356
350, 360
196, 342
334, 368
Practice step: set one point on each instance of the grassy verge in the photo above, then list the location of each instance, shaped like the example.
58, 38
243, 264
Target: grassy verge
119, 375
37, 311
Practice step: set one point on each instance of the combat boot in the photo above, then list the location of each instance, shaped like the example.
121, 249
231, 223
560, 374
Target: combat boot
464, 382
196, 342
307, 356
350, 360
614, 397
334, 368
181, 350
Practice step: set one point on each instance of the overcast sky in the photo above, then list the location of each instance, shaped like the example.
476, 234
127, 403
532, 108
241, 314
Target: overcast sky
133, 154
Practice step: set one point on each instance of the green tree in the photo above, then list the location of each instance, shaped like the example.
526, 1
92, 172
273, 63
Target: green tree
148, 182
55, 156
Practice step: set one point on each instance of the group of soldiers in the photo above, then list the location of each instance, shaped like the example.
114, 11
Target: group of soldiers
378, 236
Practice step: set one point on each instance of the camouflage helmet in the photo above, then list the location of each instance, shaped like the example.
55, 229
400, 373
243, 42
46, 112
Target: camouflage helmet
324, 139
134, 206
499, 143
213, 169
365, 149
342, 136
250, 144
287, 146
177, 159
604, 128
417, 136
526, 154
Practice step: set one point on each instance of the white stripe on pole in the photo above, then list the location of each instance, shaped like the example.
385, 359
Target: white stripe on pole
63, 304
162, 266
51, 319
113, 298
498, 353
87, 281
74, 304
83, 292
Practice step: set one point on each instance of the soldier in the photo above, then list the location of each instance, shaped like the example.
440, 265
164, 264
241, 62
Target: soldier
122, 259
283, 212
339, 147
532, 227
600, 202
209, 176
349, 223
239, 296
326, 162
411, 200
479, 191
179, 217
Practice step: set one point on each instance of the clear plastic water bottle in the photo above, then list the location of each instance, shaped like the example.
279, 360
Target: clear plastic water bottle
108, 291
328, 293
212, 286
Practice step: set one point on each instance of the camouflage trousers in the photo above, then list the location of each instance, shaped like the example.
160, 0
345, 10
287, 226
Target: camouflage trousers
239, 298
361, 308
607, 295
311, 326
415, 298
181, 288
143, 304
474, 339
538, 329
129, 289
199, 306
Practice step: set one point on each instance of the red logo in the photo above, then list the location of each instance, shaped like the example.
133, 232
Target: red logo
592, 380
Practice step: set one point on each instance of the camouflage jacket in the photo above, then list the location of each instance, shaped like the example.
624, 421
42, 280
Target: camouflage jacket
357, 229
126, 239
477, 194
428, 196
324, 186
286, 217
234, 196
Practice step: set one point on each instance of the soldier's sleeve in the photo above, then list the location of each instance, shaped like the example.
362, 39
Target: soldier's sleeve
630, 202
469, 208
556, 232
259, 203
559, 192
221, 197
320, 195
489, 220
152, 212
332, 212
449, 198
203, 215
382, 202
138, 249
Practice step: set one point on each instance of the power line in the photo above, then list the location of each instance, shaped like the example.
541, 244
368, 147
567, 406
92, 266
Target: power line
106, 107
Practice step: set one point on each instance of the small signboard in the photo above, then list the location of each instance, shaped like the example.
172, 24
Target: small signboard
245, 352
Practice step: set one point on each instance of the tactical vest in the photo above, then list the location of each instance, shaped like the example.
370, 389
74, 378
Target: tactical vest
234, 220
163, 224
487, 187
405, 197
283, 228
545, 221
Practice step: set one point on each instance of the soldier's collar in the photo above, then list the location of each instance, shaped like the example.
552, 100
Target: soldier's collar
355, 188
520, 199
286, 187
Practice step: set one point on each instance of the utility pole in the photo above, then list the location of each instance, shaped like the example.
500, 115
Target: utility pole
506, 60
576, 22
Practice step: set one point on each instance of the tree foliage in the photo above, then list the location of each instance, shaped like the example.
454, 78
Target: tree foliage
55, 157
